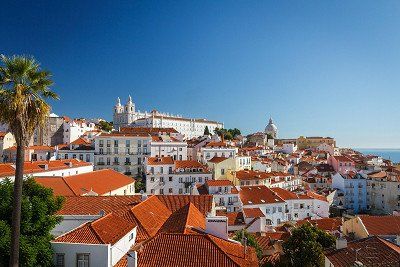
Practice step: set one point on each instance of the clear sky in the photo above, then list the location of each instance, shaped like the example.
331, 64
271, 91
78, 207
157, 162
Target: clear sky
327, 68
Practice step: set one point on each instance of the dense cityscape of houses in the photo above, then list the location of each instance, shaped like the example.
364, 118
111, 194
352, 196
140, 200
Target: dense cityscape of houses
164, 190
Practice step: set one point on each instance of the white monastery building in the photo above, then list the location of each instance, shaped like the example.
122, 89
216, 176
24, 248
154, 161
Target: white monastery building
127, 116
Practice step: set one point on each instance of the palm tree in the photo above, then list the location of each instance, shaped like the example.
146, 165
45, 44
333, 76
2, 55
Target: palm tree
24, 87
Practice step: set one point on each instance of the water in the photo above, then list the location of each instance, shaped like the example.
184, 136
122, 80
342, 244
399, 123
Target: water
392, 154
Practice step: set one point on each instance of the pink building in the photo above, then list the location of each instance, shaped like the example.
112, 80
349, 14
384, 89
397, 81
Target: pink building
342, 164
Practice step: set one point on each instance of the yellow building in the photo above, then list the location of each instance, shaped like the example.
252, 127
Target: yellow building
223, 168
314, 141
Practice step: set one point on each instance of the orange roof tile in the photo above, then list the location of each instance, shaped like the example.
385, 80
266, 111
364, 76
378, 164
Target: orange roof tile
92, 205
219, 183
100, 182
216, 159
381, 225
106, 230
370, 251
183, 164
193, 250
174, 202
160, 160
326, 224
253, 213
251, 195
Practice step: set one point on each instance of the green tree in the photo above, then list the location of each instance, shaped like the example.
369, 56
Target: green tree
306, 244
250, 241
106, 126
227, 134
24, 87
206, 131
39, 207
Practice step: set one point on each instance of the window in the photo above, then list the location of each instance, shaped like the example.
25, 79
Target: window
128, 143
152, 191
170, 190
115, 143
161, 170
82, 260
161, 191
161, 179
170, 178
60, 260
180, 191
131, 236
87, 157
80, 156
66, 156
151, 179
222, 171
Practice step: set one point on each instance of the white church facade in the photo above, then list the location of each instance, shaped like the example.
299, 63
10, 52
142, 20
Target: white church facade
127, 116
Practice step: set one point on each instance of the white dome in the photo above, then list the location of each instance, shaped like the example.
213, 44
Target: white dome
271, 128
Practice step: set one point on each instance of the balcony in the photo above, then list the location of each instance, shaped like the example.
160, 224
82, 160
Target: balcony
100, 163
115, 163
127, 163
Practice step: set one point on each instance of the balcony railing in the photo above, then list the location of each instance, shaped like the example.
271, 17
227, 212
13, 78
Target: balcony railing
100, 163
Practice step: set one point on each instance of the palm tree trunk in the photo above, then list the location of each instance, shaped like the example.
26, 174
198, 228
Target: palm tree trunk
16, 214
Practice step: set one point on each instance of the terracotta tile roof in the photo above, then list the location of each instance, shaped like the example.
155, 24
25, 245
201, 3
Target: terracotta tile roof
253, 213
100, 182
234, 218
31, 167
106, 230
7, 169
160, 160
314, 195
371, 251
219, 183
217, 144
80, 141
216, 159
180, 220
151, 214
284, 194
193, 250
59, 186
174, 202
92, 205
253, 195
183, 164
326, 224
381, 225
252, 175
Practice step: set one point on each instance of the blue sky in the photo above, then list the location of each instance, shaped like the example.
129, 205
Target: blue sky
326, 68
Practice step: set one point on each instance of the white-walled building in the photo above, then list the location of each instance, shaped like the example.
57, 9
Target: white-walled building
168, 146
125, 116
7, 140
217, 149
226, 196
73, 129
280, 205
79, 149
123, 152
97, 183
166, 176
59, 168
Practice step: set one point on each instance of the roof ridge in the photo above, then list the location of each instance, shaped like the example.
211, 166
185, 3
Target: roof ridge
230, 256
66, 183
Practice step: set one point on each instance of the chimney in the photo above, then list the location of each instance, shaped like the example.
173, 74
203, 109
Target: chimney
132, 259
341, 242
144, 196
218, 226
